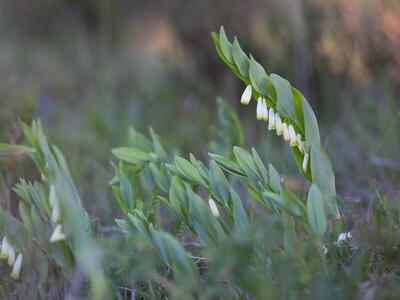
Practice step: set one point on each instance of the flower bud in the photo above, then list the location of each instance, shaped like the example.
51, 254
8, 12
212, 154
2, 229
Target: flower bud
305, 162
11, 255
292, 135
246, 96
56, 213
17, 267
259, 112
265, 110
286, 135
57, 235
300, 143
213, 207
278, 124
4, 249
271, 117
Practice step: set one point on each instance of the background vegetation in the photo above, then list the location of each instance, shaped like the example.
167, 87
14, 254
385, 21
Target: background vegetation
90, 69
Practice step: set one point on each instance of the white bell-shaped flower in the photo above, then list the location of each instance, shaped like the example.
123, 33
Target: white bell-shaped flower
213, 207
259, 111
286, 135
11, 255
52, 195
16, 270
265, 110
271, 118
292, 135
305, 162
300, 143
4, 249
278, 124
246, 96
57, 235
56, 213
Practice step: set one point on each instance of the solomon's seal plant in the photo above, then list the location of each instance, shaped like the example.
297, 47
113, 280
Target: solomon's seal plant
188, 228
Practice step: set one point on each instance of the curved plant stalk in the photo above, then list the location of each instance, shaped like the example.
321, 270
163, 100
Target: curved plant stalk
287, 111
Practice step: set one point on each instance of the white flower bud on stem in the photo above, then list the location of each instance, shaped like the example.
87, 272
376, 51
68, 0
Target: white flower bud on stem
271, 117
246, 96
56, 213
57, 235
300, 143
4, 249
264, 110
11, 255
278, 124
52, 195
17, 267
213, 207
292, 135
259, 112
305, 162
286, 135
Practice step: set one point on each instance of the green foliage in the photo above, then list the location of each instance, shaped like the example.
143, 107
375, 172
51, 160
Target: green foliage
224, 227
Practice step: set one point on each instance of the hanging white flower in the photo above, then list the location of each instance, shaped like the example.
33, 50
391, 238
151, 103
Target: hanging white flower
52, 195
213, 207
246, 96
264, 110
17, 267
271, 117
4, 249
278, 124
300, 143
292, 135
57, 235
56, 213
11, 255
305, 162
286, 135
259, 111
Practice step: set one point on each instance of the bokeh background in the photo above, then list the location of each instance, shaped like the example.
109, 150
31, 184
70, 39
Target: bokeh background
89, 69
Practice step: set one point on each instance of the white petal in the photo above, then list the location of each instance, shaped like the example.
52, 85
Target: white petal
57, 235
17, 267
4, 248
265, 110
292, 134
213, 207
300, 143
271, 117
286, 135
56, 213
278, 124
259, 111
305, 162
246, 96
11, 255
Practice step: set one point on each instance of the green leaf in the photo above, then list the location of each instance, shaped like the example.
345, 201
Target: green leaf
258, 77
284, 104
228, 164
260, 166
126, 190
246, 162
160, 176
187, 170
323, 177
316, 211
158, 148
239, 213
310, 126
274, 179
131, 155
240, 58
226, 46
218, 183
6, 149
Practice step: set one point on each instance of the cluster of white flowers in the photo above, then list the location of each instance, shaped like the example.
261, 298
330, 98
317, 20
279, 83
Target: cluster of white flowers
213, 207
58, 234
344, 237
275, 123
8, 252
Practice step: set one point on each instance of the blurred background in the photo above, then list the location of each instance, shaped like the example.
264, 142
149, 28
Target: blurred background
89, 69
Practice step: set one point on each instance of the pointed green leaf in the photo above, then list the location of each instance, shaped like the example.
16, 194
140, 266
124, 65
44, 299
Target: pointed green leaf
316, 211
